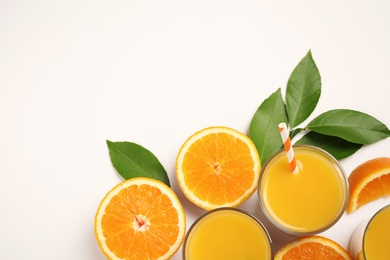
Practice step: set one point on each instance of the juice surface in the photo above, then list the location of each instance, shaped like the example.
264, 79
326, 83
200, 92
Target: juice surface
225, 235
308, 200
376, 239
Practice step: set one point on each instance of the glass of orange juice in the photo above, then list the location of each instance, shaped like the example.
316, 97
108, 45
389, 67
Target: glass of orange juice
370, 239
308, 201
227, 233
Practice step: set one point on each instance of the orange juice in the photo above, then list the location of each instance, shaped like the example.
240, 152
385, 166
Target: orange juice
376, 239
227, 233
308, 201
370, 240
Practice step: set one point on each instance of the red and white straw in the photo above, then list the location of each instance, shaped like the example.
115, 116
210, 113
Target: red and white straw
288, 147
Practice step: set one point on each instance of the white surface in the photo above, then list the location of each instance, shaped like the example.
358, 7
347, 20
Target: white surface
75, 73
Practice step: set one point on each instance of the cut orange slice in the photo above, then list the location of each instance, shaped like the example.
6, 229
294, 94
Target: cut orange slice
218, 167
141, 218
369, 181
312, 247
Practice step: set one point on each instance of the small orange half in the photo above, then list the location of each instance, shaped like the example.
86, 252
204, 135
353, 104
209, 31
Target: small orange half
218, 167
368, 182
140, 218
312, 247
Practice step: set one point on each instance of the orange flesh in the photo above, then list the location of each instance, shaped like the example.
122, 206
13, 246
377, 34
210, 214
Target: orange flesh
312, 250
214, 171
375, 189
143, 207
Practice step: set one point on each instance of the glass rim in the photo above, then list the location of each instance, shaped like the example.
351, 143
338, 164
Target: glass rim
241, 211
343, 178
368, 224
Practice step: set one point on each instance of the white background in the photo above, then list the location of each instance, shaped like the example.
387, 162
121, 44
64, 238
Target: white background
75, 73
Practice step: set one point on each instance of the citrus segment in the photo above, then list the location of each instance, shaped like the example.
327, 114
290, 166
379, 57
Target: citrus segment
140, 218
312, 247
218, 166
369, 181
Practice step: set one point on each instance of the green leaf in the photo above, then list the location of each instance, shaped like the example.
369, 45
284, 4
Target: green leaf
350, 125
132, 160
303, 90
336, 146
264, 127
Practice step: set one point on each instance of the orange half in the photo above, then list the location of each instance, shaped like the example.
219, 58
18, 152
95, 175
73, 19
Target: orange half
218, 166
141, 218
312, 247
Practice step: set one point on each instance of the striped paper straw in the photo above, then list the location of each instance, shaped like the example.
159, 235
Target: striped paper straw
288, 147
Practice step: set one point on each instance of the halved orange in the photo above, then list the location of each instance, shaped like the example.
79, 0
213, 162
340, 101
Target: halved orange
369, 181
218, 167
140, 218
312, 247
